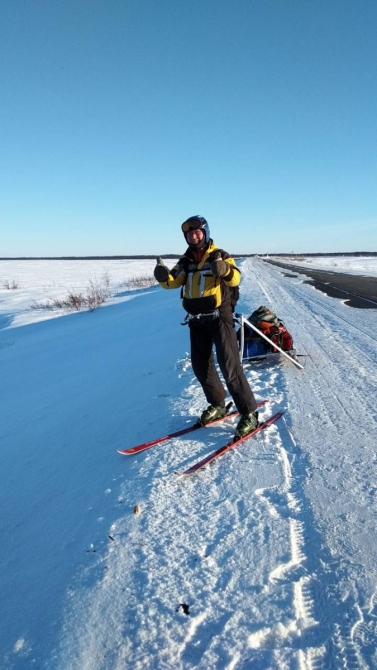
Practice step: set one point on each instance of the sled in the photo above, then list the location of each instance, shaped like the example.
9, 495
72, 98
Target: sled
258, 346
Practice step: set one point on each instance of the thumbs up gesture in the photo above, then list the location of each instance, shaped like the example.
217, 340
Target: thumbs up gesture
218, 267
161, 272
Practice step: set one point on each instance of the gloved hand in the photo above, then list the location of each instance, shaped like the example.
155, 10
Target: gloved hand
218, 267
161, 272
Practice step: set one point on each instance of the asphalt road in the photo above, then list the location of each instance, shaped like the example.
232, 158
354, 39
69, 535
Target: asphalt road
356, 290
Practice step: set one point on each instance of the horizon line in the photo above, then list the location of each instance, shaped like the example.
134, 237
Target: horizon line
152, 256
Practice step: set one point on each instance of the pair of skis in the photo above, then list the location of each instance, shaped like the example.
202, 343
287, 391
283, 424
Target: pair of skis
215, 454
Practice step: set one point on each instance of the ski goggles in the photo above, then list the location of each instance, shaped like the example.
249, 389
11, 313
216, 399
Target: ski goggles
193, 224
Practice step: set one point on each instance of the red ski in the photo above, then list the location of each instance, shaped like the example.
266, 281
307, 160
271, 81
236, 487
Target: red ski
215, 454
147, 445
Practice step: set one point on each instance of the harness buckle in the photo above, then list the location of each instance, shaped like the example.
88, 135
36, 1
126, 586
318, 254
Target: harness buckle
210, 316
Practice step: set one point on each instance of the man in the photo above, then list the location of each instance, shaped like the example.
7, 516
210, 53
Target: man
208, 277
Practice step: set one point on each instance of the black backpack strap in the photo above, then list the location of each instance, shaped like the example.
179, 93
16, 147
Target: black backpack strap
184, 263
232, 293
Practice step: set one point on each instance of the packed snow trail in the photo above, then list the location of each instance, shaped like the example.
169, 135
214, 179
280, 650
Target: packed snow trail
265, 560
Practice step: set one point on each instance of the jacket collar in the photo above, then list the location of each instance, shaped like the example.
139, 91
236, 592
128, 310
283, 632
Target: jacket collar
207, 251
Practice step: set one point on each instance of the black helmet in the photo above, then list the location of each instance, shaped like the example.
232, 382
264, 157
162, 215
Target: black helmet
193, 223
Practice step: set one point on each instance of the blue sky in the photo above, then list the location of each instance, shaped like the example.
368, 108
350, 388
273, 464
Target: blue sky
121, 118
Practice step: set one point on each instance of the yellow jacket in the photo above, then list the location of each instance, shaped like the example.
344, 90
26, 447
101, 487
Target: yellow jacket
201, 291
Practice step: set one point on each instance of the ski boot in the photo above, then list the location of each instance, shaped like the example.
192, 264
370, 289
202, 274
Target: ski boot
246, 424
211, 413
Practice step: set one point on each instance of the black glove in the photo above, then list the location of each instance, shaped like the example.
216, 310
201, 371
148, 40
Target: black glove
218, 267
161, 272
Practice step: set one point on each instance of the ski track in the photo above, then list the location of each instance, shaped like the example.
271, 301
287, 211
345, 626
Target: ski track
328, 374
272, 576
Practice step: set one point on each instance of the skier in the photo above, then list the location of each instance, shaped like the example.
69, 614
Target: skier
208, 277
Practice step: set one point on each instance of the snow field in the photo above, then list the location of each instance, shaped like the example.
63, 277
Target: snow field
365, 265
266, 559
42, 281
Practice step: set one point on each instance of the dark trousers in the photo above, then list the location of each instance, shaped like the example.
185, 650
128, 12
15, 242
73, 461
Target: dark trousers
219, 332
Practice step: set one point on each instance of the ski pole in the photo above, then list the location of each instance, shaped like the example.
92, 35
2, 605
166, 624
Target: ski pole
242, 338
243, 320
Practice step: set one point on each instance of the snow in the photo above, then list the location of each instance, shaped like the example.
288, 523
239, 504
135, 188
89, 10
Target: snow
364, 265
266, 559
42, 281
